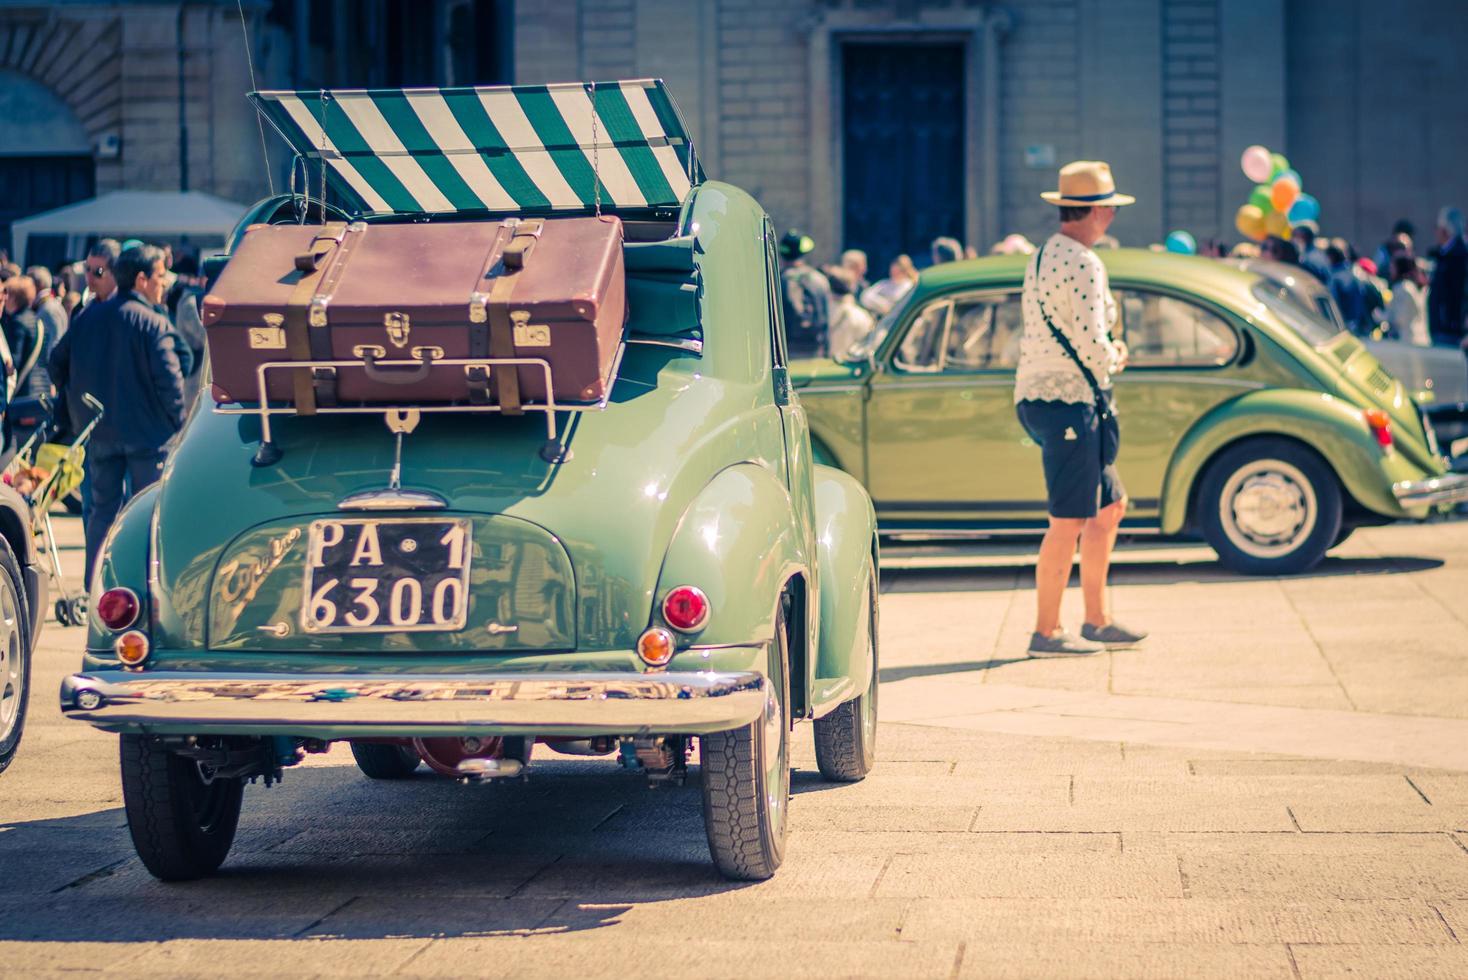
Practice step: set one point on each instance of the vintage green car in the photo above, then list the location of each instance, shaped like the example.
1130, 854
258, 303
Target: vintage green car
1244, 418
679, 572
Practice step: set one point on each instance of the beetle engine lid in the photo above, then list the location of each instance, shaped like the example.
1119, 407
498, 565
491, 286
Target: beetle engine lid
493, 149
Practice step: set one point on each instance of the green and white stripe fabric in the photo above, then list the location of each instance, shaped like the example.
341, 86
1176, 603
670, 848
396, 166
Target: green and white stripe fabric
503, 148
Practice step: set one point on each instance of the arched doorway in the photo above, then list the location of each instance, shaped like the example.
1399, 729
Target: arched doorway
45, 161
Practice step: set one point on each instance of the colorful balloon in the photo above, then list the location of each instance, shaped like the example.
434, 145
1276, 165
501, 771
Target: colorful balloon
1283, 193
1277, 224
1182, 243
1257, 164
1249, 220
1279, 163
1262, 198
1295, 174
1305, 208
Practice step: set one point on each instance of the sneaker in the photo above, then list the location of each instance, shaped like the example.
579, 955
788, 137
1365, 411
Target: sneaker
1113, 636
1062, 644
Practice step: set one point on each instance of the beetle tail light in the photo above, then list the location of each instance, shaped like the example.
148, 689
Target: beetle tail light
1381, 426
132, 648
686, 609
656, 647
117, 609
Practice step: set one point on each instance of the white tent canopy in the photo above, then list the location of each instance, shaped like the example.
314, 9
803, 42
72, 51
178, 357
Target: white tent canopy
133, 214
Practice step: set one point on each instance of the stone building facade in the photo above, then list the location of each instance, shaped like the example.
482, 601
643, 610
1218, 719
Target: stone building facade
870, 121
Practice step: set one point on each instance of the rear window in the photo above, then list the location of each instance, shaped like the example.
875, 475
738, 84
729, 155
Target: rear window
1314, 322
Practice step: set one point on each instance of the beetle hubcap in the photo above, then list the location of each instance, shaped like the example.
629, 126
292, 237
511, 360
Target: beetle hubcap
1268, 508
12, 663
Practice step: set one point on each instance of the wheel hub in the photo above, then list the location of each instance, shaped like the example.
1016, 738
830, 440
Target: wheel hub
12, 667
1269, 507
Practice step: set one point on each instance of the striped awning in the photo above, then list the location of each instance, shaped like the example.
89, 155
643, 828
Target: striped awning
495, 149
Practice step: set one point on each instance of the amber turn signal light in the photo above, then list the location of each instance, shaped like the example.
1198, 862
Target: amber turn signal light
132, 648
117, 609
686, 609
1381, 426
655, 647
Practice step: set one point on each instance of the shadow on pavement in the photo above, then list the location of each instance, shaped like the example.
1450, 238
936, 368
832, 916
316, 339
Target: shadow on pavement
1139, 573
330, 854
887, 675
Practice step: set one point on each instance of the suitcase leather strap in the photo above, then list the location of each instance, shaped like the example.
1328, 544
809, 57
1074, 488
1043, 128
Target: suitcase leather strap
501, 327
301, 339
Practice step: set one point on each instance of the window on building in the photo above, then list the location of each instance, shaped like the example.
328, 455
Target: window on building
1163, 331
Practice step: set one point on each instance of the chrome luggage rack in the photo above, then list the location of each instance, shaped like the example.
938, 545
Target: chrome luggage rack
553, 450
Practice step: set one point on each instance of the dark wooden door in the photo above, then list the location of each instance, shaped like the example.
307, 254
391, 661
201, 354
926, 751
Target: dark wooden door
35, 184
903, 148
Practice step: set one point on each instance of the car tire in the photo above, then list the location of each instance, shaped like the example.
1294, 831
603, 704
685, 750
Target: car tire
380, 760
846, 739
181, 819
1340, 536
746, 780
1270, 507
15, 656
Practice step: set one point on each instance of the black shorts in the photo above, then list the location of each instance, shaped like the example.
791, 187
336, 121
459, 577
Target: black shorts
1070, 445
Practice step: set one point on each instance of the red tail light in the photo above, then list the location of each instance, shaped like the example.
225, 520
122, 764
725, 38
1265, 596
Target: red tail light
686, 609
1381, 426
118, 608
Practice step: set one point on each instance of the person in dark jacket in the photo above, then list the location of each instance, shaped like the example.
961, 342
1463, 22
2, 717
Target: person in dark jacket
29, 340
1449, 279
805, 296
123, 353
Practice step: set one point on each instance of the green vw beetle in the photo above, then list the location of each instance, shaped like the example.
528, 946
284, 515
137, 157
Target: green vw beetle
1245, 418
678, 571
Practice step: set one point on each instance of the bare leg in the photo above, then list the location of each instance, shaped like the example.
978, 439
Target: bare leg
1052, 570
1098, 538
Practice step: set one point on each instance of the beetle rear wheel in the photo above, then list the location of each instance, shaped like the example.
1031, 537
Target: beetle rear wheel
846, 739
182, 816
1270, 507
746, 779
385, 760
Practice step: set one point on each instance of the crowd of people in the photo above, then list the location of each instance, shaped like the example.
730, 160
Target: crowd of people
122, 326
1395, 293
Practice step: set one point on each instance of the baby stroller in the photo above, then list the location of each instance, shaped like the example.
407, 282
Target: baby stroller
46, 472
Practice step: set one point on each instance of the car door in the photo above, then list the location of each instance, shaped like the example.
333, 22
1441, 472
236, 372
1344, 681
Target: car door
944, 448
1184, 359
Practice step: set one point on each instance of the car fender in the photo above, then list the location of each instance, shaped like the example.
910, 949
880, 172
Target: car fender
846, 532
738, 541
15, 525
123, 562
1331, 426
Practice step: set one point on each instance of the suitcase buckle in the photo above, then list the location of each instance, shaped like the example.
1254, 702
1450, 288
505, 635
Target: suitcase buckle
317, 317
365, 351
427, 353
478, 307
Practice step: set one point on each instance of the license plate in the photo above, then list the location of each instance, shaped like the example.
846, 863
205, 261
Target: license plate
365, 575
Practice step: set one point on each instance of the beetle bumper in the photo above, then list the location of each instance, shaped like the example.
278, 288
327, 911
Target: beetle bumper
1450, 488
347, 705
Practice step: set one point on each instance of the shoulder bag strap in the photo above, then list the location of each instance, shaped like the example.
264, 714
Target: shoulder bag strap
1103, 404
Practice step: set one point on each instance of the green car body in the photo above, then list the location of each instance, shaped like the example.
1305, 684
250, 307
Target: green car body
698, 472
1220, 360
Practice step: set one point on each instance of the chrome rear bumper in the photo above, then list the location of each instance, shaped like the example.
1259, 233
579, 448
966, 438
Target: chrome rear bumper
341, 705
1450, 488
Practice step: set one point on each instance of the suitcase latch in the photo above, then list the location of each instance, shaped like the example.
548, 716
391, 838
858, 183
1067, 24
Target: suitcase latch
317, 317
478, 307
529, 334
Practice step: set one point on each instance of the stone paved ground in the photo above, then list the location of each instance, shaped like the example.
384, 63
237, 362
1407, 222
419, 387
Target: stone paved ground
1277, 786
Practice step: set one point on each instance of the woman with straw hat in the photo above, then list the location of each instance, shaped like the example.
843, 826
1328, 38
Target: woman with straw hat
1062, 395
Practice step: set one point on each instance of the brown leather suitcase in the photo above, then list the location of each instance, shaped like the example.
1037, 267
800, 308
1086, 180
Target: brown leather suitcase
550, 289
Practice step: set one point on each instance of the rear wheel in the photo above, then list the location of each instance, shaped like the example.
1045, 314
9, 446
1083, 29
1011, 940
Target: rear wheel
746, 779
380, 760
846, 739
15, 657
1270, 507
182, 816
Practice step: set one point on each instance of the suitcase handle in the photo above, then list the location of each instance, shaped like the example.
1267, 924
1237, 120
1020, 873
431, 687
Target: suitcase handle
399, 376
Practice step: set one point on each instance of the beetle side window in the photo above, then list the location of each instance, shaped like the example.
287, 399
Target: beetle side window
984, 333
921, 350
1166, 332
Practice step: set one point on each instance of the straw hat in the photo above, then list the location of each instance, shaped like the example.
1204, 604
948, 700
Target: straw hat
1087, 183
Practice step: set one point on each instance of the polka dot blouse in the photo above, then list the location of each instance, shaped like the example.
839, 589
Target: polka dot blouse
1073, 290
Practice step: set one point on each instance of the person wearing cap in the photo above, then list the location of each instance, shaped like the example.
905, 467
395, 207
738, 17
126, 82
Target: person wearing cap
805, 295
1062, 396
